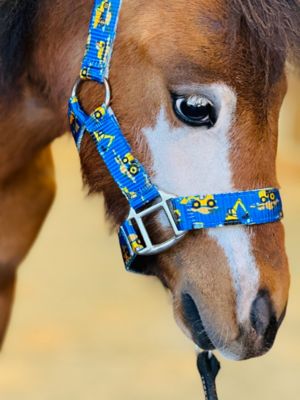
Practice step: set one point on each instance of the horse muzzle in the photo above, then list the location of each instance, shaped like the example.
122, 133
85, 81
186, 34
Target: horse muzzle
252, 339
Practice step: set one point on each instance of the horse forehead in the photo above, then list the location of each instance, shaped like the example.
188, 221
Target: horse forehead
177, 9
179, 33
162, 20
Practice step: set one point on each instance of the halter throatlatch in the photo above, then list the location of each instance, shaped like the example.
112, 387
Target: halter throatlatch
202, 211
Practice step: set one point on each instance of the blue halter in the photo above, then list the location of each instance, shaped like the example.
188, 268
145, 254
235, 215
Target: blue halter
184, 213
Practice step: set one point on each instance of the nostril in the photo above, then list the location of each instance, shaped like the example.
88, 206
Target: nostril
271, 331
261, 313
194, 322
262, 316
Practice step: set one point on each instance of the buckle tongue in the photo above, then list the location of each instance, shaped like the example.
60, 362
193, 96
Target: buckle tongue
137, 218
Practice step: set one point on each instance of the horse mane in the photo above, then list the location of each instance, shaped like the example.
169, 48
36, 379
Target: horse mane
16, 21
272, 28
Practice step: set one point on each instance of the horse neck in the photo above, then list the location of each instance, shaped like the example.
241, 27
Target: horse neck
36, 111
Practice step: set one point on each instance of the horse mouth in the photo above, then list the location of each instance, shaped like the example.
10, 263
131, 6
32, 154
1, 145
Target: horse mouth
194, 323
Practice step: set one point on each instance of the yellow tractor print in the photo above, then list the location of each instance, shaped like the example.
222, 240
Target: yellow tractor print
267, 200
84, 73
99, 112
203, 205
135, 242
177, 215
103, 50
232, 214
103, 14
129, 160
128, 166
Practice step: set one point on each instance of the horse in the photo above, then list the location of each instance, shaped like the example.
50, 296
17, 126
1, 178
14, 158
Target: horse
197, 88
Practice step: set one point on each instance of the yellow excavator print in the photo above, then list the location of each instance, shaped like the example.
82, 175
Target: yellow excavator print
232, 214
203, 205
103, 14
129, 195
101, 136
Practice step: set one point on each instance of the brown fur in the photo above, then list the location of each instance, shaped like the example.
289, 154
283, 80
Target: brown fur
273, 30
241, 43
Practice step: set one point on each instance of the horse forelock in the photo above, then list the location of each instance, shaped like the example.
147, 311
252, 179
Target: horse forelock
272, 28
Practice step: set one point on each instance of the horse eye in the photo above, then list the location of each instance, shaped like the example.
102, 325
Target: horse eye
195, 110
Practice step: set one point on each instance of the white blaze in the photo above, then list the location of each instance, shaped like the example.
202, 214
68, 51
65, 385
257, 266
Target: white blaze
189, 161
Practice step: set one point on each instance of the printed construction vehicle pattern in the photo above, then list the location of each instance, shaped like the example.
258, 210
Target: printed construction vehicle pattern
128, 166
201, 204
99, 43
103, 14
233, 217
268, 200
205, 205
193, 212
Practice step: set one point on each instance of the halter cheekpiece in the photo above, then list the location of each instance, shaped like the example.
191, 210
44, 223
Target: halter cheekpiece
251, 207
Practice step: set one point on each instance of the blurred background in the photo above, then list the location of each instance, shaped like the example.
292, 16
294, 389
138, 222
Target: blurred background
83, 328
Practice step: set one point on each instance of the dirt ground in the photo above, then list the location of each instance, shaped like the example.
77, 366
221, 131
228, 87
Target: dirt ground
83, 328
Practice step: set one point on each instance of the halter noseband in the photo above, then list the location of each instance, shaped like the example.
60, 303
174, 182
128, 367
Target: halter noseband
251, 207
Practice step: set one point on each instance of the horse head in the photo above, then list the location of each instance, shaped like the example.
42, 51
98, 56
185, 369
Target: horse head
197, 92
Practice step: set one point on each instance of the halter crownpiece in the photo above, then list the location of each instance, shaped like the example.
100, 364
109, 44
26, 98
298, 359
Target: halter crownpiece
251, 207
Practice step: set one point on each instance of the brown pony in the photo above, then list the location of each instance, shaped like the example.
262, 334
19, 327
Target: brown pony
229, 286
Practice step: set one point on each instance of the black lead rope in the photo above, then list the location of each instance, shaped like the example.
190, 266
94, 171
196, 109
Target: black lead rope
208, 367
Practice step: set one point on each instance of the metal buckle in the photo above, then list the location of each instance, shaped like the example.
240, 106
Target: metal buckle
106, 86
137, 217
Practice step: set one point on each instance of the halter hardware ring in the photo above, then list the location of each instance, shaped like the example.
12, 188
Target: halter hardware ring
137, 217
106, 86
